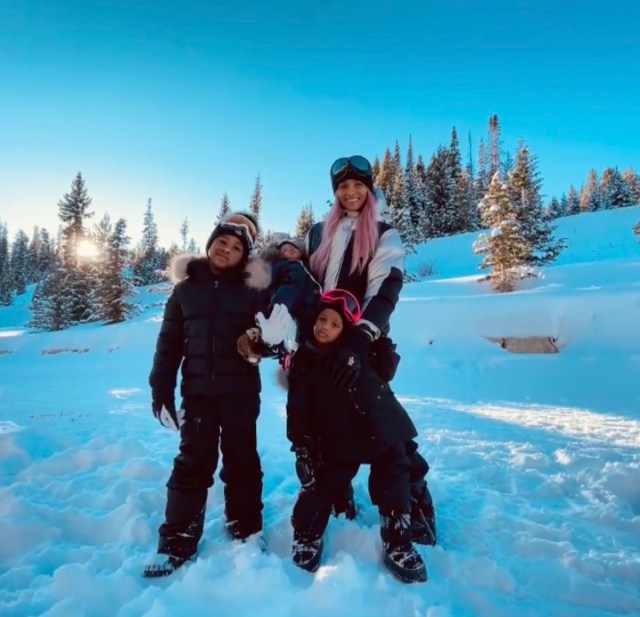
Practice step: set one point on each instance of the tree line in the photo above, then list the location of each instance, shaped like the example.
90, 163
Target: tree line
88, 274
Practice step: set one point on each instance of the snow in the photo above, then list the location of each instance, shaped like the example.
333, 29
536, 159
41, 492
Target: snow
535, 459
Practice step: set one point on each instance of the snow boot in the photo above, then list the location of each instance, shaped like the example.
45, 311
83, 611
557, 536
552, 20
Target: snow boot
423, 516
345, 505
162, 564
398, 553
241, 529
306, 553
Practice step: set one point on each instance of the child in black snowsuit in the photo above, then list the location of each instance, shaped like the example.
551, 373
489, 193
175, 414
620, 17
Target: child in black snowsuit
333, 431
215, 300
294, 297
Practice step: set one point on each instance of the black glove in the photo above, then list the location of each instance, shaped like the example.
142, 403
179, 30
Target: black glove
305, 465
163, 407
345, 363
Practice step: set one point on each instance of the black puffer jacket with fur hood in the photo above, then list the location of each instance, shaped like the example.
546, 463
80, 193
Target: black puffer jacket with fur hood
203, 318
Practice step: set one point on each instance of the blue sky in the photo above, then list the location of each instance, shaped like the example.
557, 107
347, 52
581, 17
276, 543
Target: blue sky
184, 101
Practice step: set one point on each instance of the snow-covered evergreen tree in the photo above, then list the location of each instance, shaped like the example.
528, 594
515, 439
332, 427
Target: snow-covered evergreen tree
52, 306
113, 286
523, 186
384, 177
408, 213
469, 215
73, 211
494, 145
614, 190
19, 262
47, 259
555, 208
632, 180
440, 195
6, 279
481, 183
375, 168
225, 207
184, 234
255, 207
305, 222
148, 261
505, 249
590, 199
573, 201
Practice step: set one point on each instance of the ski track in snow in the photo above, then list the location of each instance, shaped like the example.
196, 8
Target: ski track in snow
617, 430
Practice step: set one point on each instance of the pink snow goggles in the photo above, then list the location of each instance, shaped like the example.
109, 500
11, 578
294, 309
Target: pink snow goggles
349, 304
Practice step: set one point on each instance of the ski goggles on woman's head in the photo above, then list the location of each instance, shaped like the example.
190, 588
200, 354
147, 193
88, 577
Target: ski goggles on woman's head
347, 301
357, 165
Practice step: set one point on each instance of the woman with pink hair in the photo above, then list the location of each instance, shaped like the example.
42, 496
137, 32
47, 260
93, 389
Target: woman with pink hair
355, 249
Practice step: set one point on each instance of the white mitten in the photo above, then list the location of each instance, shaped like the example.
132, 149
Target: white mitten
277, 327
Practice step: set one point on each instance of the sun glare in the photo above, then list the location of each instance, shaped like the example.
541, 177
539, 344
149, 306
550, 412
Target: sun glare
87, 249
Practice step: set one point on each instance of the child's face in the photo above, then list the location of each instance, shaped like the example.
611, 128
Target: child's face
290, 252
328, 326
226, 252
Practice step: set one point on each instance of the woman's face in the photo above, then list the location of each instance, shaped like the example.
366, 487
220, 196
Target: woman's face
328, 326
352, 194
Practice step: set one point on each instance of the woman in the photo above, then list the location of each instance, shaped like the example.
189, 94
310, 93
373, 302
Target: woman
356, 250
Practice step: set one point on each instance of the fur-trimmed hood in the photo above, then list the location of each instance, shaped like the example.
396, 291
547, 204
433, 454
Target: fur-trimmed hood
257, 272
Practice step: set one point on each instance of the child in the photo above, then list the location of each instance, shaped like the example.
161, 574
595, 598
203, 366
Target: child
294, 296
215, 300
334, 430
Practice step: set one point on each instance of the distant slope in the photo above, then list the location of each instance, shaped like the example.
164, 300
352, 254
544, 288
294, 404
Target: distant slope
592, 236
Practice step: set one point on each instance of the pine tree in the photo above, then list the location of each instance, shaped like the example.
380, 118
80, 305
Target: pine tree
225, 207
51, 305
6, 282
114, 287
440, 195
523, 185
184, 234
407, 215
255, 207
19, 262
469, 216
305, 222
505, 249
481, 184
375, 168
423, 228
573, 201
590, 199
47, 258
384, 176
632, 180
73, 211
555, 209
564, 205
494, 145
147, 262
397, 182
614, 190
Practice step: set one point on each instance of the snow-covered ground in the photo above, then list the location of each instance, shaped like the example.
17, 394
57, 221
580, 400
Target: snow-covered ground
535, 458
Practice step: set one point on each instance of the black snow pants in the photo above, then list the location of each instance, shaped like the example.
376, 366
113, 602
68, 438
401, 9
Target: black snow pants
227, 423
388, 488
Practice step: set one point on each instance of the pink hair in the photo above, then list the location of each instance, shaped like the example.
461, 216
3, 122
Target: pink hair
365, 236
